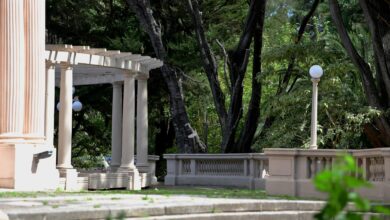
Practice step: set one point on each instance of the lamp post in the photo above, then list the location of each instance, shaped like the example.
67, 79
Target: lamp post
315, 72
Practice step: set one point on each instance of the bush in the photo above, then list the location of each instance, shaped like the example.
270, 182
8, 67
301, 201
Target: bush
340, 184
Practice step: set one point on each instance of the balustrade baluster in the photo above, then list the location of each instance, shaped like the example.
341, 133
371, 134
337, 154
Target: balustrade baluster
312, 167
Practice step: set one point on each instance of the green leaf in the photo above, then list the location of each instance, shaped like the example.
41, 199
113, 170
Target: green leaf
381, 209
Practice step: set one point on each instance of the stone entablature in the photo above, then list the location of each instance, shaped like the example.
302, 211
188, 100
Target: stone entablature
99, 65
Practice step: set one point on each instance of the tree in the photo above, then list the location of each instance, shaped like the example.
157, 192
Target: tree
286, 84
187, 138
237, 61
376, 83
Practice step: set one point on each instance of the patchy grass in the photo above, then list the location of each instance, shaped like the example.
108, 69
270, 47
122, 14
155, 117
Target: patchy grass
210, 192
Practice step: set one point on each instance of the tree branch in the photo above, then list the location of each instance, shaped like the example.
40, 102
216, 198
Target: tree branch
365, 72
209, 64
225, 62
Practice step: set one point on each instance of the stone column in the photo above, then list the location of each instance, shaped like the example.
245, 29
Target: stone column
127, 161
116, 136
65, 120
34, 114
50, 103
142, 125
12, 67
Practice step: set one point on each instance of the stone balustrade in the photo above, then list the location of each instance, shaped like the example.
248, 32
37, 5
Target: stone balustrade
239, 170
291, 171
280, 171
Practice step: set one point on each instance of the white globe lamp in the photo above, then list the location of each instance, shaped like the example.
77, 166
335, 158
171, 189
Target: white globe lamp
77, 105
316, 72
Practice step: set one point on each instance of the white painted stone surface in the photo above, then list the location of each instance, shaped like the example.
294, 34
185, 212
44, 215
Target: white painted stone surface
12, 70
34, 112
22, 98
20, 170
65, 120
50, 103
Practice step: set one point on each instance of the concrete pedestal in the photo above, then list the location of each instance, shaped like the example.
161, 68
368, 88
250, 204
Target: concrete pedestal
134, 177
22, 168
70, 176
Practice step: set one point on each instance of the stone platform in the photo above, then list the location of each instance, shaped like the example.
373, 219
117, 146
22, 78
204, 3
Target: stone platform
119, 206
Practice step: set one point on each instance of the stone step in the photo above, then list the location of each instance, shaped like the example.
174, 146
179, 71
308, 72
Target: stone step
275, 215
154, 207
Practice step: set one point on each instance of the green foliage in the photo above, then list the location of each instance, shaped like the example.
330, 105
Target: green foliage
341, 183
343, 111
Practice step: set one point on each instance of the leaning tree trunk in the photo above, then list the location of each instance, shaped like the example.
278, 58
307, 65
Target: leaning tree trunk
377, 94
187, 139
238, 62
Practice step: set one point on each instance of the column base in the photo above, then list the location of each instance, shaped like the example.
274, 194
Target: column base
29, 167
113, 168
70, 175
134, 177
143, 168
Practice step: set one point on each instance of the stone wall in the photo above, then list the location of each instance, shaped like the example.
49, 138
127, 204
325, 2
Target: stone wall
292, 171
238, 170
279, 171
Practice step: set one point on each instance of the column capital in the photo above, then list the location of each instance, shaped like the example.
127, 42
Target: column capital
65, 65
117, 83
128, 74
141, 76
50, 65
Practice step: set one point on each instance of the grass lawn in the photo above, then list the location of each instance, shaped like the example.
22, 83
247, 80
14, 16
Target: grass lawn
157, 190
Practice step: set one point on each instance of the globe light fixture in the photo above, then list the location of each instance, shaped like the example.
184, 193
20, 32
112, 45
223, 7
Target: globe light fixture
315, 72
77, 105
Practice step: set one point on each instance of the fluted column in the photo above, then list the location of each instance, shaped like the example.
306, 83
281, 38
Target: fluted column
116, 135
65, 120
127, 161
34, 114
142, 124
12, 67
50, 103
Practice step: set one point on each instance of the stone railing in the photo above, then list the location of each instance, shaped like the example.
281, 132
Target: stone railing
291, 171
239, 170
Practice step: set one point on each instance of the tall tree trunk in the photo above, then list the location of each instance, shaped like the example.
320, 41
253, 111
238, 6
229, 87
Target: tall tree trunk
252, 118
187, 138
209, 64
377, 17
238, 61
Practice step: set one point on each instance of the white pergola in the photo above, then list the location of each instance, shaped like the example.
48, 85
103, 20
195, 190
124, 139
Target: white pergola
68, 66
